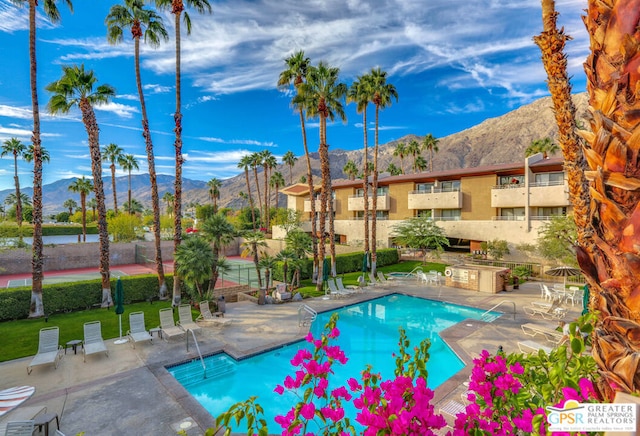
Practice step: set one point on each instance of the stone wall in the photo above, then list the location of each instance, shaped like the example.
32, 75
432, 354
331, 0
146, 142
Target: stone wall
230, 293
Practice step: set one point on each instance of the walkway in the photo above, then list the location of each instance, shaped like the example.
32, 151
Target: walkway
131, 388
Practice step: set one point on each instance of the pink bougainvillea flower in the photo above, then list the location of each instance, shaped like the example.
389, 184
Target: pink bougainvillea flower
279, 390
308, 410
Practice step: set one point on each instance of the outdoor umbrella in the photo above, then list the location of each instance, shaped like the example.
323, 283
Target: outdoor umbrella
325, 274
119, 302
585, 300
563, 271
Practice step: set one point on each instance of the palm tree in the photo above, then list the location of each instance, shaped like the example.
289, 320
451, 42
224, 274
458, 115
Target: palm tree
17, 149
113, 153
430, 144
299, 242
400, 151
245, 163
136, 207
383, 92
133, 15
289, 159
268, 263
93, 204
128, 162
71, 204
83, 187
177, 8
393, 169
295, 73
29, 154
413, 149
12, 199
360, 93
253, 240
168, 198
214, 192
285, 256
268, 161
219, 231
256, 161
325, 97
194, 258
76, 87
420, 164
36, 308
350, 169
544, 146
276, 181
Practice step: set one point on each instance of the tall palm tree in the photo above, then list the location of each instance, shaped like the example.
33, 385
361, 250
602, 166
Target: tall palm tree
393, 169
214, 192
383, 92
36, 309
400, 150
360, 93
544, 146
350, 169
128, 162
253, 241
16, 149
245, 163
413, 149
285, 256
430, 144
325, 97
93, 204
147, 23
268, 263
113, 153
256, 161
29, 154
289, 159
70, 204
269, 162
177, 8
168, 198
420, 164
602, 168
276, 182
295, 73
12, 199
220, 232
76, 87
83, 187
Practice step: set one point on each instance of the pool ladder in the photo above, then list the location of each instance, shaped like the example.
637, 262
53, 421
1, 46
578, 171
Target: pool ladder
306, 315
195, 341
487, 317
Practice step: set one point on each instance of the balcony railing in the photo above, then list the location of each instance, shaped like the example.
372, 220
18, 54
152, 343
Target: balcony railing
508, 218
355, 203
441, 199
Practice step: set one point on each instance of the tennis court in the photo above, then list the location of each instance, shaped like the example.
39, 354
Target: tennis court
64, 278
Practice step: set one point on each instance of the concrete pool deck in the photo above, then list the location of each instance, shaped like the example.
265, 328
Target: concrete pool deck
131, 393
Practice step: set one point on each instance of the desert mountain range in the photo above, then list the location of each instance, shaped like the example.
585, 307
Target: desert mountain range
496, 140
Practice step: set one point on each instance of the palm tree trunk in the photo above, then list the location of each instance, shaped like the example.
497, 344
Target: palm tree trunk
91, 125
155, 199
177, 199
324, 169
16, 181
83, 208
253, 211
129, 194
255, 175
113, 187
36, 308
266, 197
365, 182
254, 247
374, 212
314, 232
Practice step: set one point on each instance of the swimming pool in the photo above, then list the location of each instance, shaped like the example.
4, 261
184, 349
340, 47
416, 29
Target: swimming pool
368, 335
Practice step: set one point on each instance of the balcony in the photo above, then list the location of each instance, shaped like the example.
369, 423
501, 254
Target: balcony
549, 195
307, 205
508, 196
435, 200
356, 203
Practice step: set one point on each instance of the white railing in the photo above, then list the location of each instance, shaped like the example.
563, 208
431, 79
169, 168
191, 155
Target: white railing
485, 316
195, 341
306, 315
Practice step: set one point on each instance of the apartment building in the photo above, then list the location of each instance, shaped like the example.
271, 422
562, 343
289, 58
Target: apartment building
472, 205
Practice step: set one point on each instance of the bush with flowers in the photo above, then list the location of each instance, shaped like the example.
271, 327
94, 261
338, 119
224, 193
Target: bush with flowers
508, 394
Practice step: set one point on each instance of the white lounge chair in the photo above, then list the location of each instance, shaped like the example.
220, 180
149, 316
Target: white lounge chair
348, 289
185, 321
546, 311
382, 279
168, 324
137, 330
93, 342
452, 408
551, 335
49, 349
372, 279
334, 291
528, 347
207, 318
20, 428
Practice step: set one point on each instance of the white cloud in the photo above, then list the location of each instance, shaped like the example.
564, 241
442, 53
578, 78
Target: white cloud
157, 89
237, 141
119, 109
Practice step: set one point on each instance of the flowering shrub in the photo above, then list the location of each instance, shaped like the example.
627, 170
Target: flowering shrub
507, 393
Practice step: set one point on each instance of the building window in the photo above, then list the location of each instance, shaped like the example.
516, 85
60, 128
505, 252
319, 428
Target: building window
510, 180
512, 213
423, 213
360, 192
383, 190
382, 214
450, 214
424, 187
549, 179
449, 186
552, 211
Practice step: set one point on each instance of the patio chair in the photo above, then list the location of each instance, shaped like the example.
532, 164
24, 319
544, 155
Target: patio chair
551, 335
553, 311
168, 325
207, 318
20, 428
528, 347
452, 408
49, 349
185, 321
334, 291
93, 342
348, 289
137, 331
573, 294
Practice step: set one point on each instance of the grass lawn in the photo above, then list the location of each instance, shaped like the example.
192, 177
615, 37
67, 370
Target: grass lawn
20, 338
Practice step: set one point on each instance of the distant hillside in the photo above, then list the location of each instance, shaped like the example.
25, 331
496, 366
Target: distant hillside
495, 140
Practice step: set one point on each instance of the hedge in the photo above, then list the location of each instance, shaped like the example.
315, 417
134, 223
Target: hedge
12, 231
68, 297
345, 263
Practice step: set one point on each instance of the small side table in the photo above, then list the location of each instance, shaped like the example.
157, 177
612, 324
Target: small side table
44, 420
157, 330
73, 344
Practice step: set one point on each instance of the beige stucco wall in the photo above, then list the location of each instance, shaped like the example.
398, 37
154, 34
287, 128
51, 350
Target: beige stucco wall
399, 198
342, 199
476, 201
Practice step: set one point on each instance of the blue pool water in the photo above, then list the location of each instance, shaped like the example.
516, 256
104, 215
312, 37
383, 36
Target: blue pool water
368, 335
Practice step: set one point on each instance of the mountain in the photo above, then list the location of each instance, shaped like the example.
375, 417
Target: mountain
496, 140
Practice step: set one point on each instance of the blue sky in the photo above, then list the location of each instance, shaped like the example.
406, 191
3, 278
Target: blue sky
454, 63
